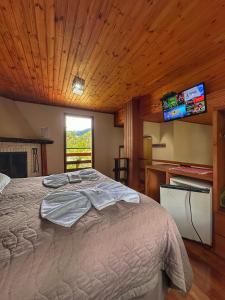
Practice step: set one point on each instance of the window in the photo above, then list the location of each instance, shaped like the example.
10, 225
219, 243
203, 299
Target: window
78, 143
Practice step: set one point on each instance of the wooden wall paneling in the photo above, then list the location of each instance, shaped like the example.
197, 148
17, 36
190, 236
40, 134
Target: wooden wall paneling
133, 141
219, 179
218, 156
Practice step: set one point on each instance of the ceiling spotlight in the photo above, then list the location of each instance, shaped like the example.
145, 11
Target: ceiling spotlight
78, 85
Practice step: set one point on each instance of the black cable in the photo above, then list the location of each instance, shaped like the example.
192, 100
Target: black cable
189, 198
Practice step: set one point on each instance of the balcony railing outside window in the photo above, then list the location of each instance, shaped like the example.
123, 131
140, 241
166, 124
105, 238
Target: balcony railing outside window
78, 158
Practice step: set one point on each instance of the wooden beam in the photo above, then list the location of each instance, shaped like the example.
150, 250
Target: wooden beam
44, 166
25, 141
133, 140
79, 154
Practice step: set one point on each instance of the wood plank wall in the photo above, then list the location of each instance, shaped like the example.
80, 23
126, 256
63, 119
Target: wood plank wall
151, 111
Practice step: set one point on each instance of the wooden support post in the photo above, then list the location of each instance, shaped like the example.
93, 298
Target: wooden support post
133, 140
44, 168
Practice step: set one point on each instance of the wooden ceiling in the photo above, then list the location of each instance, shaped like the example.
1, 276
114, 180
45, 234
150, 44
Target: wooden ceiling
121, 48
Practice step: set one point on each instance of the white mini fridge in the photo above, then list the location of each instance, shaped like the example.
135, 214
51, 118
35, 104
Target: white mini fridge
190, 204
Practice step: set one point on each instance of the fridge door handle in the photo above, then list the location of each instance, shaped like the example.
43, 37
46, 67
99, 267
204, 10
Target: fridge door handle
185, 188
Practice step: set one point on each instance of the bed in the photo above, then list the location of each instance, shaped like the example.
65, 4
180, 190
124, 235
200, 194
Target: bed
125, 251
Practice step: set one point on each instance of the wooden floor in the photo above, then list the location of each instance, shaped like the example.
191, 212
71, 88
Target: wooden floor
209, 275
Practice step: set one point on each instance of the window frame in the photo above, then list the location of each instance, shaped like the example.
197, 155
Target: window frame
92, 137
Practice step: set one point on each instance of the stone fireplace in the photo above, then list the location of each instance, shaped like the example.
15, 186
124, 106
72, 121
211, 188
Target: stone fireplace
14, 164
14, 154
23, 157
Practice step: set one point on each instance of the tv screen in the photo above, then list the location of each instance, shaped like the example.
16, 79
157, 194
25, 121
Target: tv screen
186, 103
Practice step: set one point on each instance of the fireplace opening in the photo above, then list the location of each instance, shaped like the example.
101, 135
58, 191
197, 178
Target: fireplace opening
13, 164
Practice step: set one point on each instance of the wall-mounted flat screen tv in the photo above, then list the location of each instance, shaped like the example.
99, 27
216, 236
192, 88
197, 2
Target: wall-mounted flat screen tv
186, 103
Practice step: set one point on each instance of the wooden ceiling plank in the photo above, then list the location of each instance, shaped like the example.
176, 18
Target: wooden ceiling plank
6, 67
40, 21
93, 28
102, 14
190, 48
80, 24
132, 74
50, 36
11, 37
22, 33
189, 56
110, 47
72, 11
29, 20
10, 64
9, 51
115, 79
135, 29
60, 20
105, 47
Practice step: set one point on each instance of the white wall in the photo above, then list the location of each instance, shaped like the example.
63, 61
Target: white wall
185, 142
152, 129
193, 142
107, 138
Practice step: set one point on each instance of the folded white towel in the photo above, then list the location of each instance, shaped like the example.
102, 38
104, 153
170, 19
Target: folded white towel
89, 174
58, 180
74, 177
99, 198
64, 207
119, 191
55, 180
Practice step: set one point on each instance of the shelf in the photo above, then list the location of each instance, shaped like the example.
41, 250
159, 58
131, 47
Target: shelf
121, 169
25, 141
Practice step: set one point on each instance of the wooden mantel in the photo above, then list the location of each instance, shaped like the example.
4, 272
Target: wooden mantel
24, 140
42, 142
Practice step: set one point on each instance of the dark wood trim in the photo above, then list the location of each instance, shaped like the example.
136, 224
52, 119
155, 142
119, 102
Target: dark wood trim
25, 141
159, 145
79, 154
116, 124
44, 167
92, 131
78, 169
182, 163
78, 162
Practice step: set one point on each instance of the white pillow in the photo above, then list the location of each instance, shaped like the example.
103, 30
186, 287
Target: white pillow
4, 180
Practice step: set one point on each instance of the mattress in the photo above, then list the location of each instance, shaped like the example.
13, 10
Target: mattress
125, 251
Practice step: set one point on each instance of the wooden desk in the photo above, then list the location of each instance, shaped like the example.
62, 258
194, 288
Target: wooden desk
160, 174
